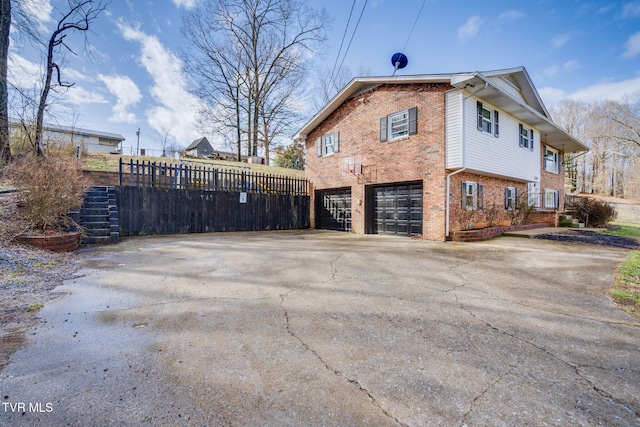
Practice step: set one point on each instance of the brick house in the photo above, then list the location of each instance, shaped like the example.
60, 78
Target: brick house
430, 154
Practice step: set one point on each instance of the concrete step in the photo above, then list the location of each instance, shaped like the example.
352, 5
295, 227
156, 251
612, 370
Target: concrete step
94, 232
96, 225
96, 240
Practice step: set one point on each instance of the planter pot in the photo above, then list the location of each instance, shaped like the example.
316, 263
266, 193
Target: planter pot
64, 242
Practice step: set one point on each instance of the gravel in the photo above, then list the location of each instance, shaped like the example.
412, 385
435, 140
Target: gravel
593, 238
28, 276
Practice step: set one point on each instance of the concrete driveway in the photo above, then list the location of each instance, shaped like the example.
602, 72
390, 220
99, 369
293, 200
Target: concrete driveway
314, 328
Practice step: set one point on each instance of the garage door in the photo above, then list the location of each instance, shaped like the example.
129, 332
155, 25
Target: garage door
397, 209
333, 209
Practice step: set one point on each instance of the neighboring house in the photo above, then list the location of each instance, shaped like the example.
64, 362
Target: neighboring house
430, 154
200, 148
91, 141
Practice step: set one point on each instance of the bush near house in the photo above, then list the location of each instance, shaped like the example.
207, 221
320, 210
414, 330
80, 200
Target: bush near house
50, 188
593, 212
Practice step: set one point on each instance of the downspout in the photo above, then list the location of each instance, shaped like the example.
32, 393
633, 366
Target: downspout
464, 144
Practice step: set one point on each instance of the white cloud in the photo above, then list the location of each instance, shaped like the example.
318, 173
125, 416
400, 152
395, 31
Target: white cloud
511, 15
177, 108
606, 91
470, 29
40, 10
631, 10
77, 95
551, 95
565, 67
187, 4
127, 94
632, 47
560, 40
614, 91
22, 72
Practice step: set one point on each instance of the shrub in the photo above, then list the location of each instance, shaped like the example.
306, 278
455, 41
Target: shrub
50, 188
468, 219
493, 214
523, 212
594, 213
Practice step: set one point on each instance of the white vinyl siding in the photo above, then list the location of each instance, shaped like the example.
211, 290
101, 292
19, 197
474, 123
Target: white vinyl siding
499, 156
508, 86
453, 128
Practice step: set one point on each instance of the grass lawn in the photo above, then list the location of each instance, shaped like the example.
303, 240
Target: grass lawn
626, 292
627, 229
627, 286
110, 162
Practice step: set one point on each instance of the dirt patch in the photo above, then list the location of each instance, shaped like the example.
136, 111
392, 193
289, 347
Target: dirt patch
28, 276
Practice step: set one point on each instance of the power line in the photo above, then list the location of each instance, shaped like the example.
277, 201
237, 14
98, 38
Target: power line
414, 25
354, 33
342, 42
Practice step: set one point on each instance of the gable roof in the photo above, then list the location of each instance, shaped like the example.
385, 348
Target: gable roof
510, 89
197, 142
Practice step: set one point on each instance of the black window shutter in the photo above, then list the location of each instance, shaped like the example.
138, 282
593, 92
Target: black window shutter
506, 198
319, 146
480, 196
479, 105
413, 120
336, 144
531, 141
520, 134
463, 192
496, 125
383, 129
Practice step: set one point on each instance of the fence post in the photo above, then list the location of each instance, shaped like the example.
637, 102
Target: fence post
120, 172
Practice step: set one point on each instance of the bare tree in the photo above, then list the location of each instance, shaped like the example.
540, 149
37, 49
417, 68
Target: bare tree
244, 56
328, 86
81, 14
164, 139
5, 24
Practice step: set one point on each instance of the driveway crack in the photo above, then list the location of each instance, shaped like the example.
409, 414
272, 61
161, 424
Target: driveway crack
353, 382
575, 368
483, 392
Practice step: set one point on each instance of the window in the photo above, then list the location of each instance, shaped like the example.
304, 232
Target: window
551, 160
551, 199
399, 124
526, 137
533, 189
471, 196
488, 120
510, 198
327, 144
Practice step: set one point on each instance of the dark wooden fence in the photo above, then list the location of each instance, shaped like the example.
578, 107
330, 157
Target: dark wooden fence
146, 210
169, 199
207, 178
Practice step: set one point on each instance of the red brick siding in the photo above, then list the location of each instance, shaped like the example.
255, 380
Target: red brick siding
550, 180
493, 195
419, 157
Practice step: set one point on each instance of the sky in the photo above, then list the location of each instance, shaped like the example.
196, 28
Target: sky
132, 77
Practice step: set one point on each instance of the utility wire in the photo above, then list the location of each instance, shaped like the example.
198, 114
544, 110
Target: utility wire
354, 33
342, 42
414, 26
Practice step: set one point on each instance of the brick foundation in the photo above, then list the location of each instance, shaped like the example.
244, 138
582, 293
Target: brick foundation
67, 242
490, 232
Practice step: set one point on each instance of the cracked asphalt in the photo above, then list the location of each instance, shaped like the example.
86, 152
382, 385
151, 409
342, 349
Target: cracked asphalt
321, 328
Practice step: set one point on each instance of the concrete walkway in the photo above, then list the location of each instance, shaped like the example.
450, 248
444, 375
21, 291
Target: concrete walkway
312, 328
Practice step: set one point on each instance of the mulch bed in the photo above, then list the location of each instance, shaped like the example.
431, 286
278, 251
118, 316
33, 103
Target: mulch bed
593, 238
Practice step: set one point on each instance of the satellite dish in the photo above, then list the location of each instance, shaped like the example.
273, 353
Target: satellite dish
399, 61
